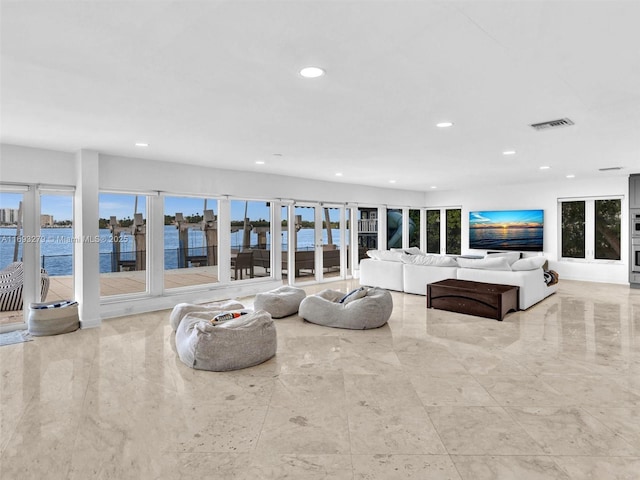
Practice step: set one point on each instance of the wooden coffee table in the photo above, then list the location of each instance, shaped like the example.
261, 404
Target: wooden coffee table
489, 300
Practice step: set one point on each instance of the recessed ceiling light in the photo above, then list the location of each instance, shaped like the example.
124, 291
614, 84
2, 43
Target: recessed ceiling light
141, 144
338, 174
312, 72
444, 124
392, 181
545, 167
571, 175
260, 162
433, 186
509, 152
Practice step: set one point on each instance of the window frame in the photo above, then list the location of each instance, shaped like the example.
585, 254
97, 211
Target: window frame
589, 230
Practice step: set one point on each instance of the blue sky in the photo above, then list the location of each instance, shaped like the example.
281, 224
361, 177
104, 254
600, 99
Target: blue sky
60, 206
123, 206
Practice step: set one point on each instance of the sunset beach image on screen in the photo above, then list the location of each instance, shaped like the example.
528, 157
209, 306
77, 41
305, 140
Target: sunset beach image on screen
520, 230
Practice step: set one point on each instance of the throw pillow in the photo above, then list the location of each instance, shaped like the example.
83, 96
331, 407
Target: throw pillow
354, 295
512, 257
529, 263
414, 251
390, 256
498, 263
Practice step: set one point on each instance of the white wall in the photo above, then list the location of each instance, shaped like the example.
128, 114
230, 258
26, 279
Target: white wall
35, 165
545, 196
122, 173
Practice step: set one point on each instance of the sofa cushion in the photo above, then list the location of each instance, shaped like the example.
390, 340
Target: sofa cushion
511, 257
408, 251
529, 263
385, 255
414, 251
498, 263
430, 260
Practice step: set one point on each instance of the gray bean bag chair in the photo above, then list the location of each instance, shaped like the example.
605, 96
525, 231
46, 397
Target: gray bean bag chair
207, 310
239, 343
361, 309
281, 302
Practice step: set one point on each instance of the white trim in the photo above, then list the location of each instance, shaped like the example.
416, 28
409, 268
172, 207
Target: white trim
13, 188
53, 189
589, 230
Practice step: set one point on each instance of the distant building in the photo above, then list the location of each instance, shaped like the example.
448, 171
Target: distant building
8, 215
46, 221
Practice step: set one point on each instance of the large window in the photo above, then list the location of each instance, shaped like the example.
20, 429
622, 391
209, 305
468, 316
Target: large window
56, 246
454, 231
123, 243
433, 231
394, 228
607, 229
414, 228
591, 229
573, 224
250, 239
190, 241
11, 243
444, 238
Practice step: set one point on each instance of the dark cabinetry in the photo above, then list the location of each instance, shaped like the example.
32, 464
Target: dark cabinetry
634, 230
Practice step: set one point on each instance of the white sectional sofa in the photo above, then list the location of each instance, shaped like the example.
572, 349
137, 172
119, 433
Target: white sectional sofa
397, 271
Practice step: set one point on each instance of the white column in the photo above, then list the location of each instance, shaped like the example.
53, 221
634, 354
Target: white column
31, 248
291, 245
405, 228
423, 229
224, 241
382, 228
355, 247
443, 231
86, 267
276, 240
155, 245
343, 242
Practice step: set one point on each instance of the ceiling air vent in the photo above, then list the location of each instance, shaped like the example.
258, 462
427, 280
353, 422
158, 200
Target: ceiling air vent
563, 122
608, 169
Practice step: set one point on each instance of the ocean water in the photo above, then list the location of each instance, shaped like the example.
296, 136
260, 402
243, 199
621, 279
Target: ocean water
56, 246
525, 239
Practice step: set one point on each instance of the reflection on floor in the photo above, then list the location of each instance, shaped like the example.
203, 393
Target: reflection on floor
549, 393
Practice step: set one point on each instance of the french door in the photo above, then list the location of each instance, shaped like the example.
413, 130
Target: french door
318, 239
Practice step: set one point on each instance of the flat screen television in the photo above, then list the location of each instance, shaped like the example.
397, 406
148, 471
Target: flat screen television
519, 230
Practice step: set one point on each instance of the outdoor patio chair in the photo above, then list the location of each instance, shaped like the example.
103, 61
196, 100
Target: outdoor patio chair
241, 262
11, 286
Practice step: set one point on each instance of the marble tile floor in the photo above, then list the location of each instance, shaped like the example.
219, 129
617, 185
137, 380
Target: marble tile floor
549, 393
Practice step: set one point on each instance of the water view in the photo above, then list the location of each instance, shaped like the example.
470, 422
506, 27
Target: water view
56, 246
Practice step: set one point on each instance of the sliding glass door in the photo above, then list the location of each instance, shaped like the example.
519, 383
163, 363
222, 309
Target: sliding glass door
320, 236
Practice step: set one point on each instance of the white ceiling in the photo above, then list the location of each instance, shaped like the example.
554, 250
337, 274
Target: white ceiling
216, 83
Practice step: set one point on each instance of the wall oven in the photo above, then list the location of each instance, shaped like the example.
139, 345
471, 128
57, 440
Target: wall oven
635, 254
635, 223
